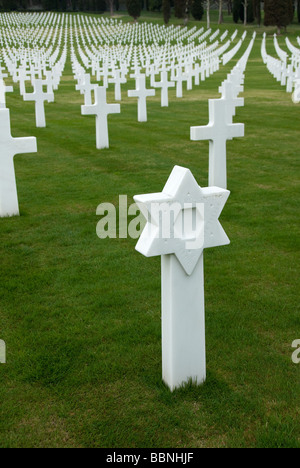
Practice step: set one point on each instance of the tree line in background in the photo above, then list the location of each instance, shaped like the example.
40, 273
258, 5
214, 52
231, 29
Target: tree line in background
278, 13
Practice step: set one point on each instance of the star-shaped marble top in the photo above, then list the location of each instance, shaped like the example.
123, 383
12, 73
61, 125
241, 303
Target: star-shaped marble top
182, 220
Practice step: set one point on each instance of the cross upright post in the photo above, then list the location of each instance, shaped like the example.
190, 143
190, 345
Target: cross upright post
9, 147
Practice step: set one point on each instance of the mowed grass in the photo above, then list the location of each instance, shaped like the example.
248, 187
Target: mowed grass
81, 316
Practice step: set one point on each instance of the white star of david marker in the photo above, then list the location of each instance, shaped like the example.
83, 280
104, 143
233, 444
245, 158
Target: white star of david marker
192, 214
181, 248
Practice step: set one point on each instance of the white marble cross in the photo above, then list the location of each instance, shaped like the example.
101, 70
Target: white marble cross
2, 352
117, 80
9, 147
218, 131
196, 74
3, 90
164, 84
296, 93
39, 97
49, 82
101, 109
141, 93
188, 72
230, 92
21, 75
290, 79
104, 72
179, 77
86, 88
182, 221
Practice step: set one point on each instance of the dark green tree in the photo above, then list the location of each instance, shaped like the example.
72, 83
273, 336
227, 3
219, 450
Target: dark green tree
63, 5
197, 10
134, 8
166, 5
110, 6
298, 10
9, 5
187, 9
250, 16
155, 5
101, 6
179, 8
49, 5
236, 10
257, 11
278, 13
291, 9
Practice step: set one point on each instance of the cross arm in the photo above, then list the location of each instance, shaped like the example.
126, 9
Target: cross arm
203, 133
29, 97
150, 92
133, 93
114, 109
239, 102
236, 131
89, 110
24, 145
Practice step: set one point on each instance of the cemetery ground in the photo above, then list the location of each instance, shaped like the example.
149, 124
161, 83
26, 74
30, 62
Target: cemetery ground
81, 316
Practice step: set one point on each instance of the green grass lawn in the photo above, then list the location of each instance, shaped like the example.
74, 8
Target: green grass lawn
81, 316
